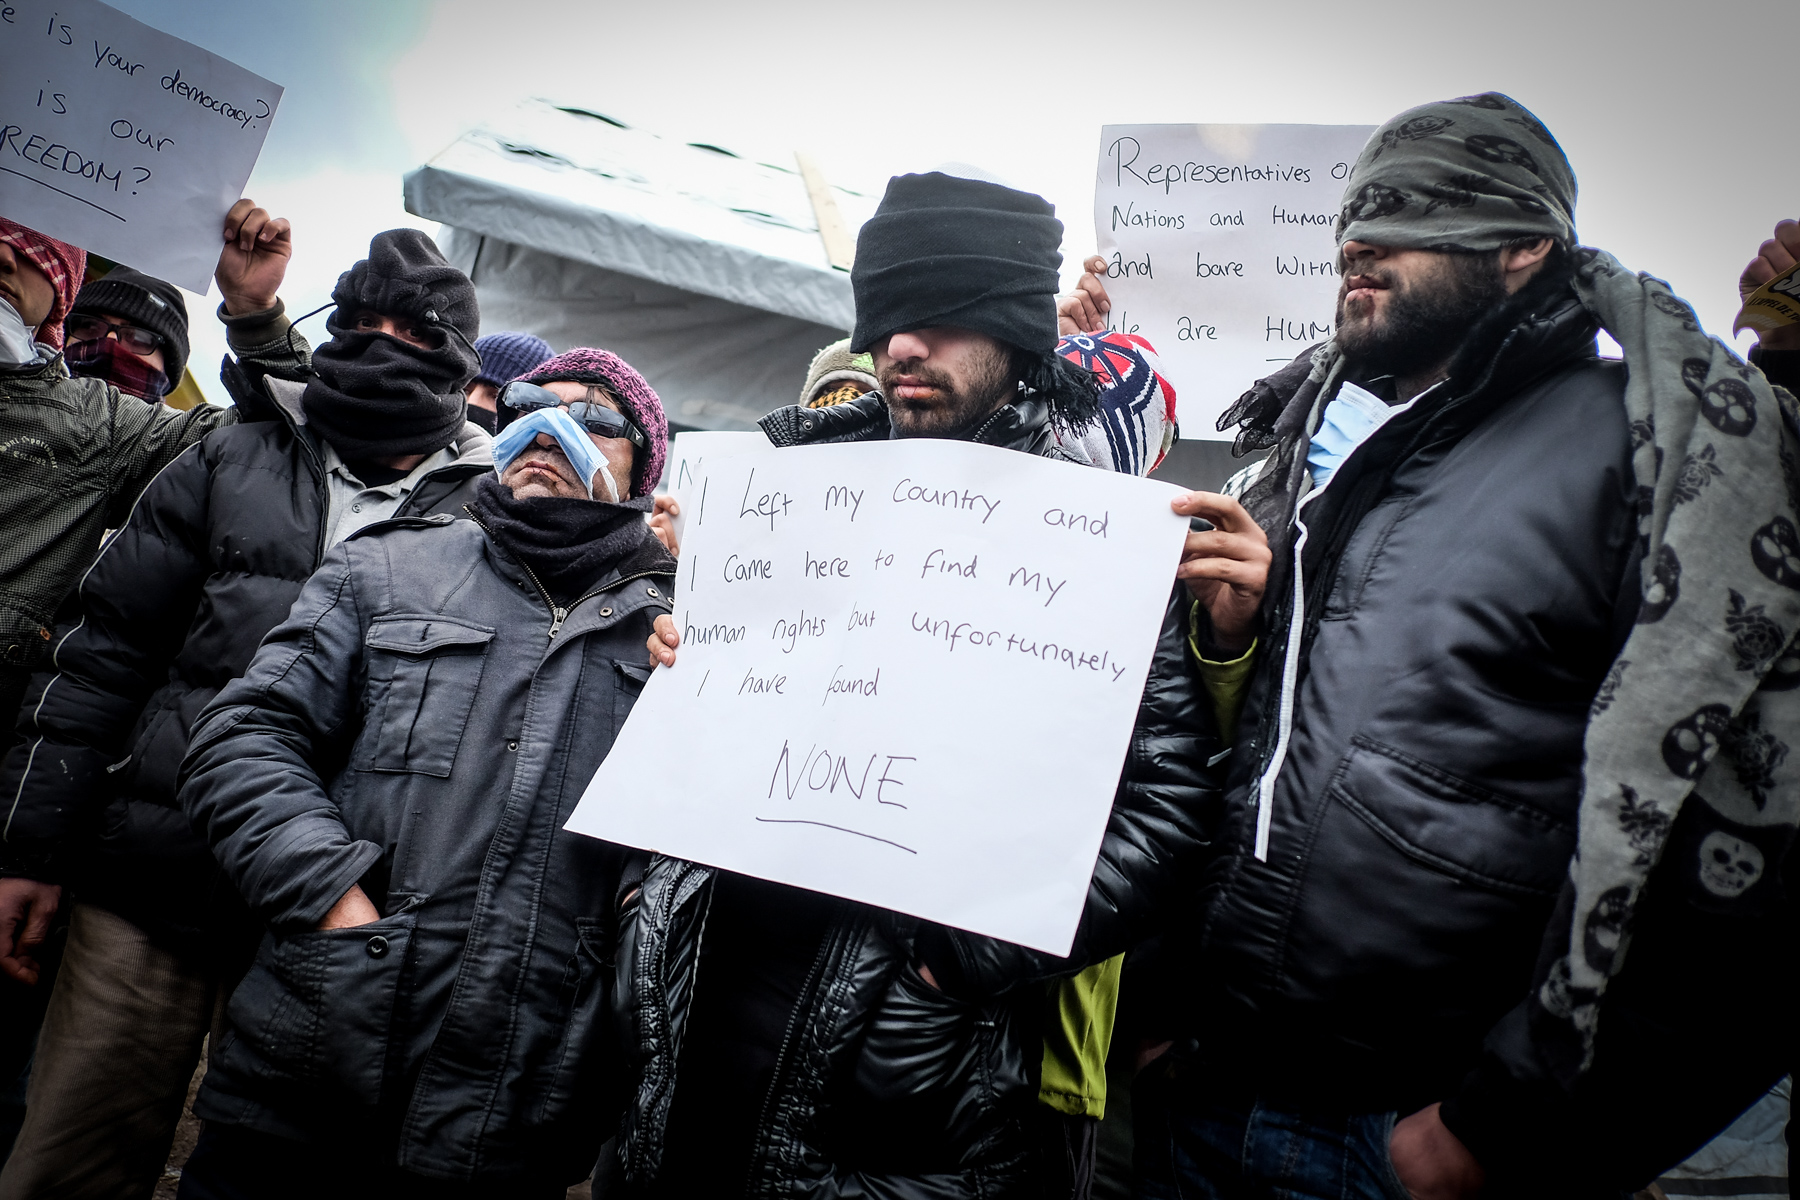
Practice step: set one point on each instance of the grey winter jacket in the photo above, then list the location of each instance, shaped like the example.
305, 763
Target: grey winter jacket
74, 454
413, 726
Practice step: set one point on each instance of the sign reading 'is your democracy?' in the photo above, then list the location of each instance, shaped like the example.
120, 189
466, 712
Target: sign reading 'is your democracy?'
1220, 248
121, 139
908, 676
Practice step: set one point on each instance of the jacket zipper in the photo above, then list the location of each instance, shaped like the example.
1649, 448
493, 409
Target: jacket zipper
1290, 664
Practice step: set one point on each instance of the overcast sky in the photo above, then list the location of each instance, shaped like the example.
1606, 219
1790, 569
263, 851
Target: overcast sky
1676, 117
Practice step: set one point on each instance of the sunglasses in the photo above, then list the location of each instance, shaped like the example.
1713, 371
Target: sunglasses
594, 417
141, 342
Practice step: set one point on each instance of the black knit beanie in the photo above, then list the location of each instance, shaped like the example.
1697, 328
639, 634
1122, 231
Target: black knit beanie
944, 250
147, 302
406, 275
375, 396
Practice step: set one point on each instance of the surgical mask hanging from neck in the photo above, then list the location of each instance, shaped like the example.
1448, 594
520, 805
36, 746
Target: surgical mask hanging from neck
17, 341
583, 455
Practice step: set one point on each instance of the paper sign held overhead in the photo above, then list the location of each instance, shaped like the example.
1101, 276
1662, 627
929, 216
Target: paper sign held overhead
908, 675
1221, 249
122, 139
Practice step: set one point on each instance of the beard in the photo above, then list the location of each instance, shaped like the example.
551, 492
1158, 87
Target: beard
1425, 320
959, 405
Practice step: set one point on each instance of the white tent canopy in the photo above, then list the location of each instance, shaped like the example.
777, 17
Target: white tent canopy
702, 269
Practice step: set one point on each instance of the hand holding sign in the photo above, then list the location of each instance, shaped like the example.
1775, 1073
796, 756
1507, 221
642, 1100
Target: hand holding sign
255, 258
1772, 304
121, 139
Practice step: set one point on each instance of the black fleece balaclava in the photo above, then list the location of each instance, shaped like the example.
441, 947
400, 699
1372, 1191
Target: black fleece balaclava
373, 395
944, 250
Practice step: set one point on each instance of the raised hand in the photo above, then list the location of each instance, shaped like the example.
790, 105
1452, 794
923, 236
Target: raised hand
1084, 310
255, 257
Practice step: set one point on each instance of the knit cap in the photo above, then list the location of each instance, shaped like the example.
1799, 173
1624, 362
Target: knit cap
832, 369
145, 301
508, 354
946, 250
406, 275
62, 264
585, 364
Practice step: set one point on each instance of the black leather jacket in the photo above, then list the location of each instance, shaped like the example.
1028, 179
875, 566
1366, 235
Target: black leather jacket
886, 1088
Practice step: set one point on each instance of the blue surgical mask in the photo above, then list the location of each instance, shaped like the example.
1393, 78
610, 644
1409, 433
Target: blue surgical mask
1349, 420
584, 456
17, 340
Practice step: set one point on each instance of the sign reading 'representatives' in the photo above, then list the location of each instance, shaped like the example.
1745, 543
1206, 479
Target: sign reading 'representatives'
1221, 248
908, 675
121, 139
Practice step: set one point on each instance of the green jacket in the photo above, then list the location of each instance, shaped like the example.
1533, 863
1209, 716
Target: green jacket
74, 456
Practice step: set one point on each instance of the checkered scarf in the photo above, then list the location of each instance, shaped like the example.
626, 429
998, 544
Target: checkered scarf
62, 264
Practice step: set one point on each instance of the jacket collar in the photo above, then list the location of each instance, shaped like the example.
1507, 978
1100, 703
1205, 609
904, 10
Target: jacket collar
1022, 424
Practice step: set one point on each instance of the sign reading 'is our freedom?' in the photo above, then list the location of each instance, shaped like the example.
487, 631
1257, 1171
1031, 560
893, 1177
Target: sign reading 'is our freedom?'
1220, 248
121, 139
908, 676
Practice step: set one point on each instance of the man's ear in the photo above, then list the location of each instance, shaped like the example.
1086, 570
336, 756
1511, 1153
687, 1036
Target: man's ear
1519, 263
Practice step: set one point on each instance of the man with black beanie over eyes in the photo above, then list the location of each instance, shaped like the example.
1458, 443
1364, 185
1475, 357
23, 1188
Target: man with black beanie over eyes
955, 285
826, 1049
369, 426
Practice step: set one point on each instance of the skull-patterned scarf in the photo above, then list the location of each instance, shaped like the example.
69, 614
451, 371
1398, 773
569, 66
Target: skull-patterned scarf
1702, 700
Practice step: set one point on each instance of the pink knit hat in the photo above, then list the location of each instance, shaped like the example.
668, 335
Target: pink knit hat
585, 364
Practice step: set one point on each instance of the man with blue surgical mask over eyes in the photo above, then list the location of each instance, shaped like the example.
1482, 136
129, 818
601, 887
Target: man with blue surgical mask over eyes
388, 784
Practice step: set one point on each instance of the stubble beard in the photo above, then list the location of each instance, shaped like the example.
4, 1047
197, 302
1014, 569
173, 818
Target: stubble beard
1423, 322
961, 408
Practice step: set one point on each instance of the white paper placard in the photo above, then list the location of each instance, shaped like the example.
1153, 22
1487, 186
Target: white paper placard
908, 675
122, 139
686, 454
1220, 248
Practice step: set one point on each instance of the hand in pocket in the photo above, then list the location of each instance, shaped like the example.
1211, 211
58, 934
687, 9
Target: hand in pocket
352, 909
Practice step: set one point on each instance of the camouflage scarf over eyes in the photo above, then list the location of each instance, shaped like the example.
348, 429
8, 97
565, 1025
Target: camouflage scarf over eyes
1700, 703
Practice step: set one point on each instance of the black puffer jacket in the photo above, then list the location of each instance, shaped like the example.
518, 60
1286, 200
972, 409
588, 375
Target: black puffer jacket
210, 560
1467, 578
414, 726
886, 1088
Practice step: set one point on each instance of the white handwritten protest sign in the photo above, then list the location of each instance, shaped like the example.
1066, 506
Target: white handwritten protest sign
1220, 248
121, 139
908, 675
686, 455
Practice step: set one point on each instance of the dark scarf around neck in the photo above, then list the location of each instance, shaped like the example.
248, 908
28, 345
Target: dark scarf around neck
570, 545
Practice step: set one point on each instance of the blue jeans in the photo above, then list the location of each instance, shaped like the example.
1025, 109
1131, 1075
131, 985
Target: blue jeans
1191, 1146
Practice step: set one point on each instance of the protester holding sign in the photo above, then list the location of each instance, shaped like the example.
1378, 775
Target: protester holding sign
211, 559
1421, 772
804, 1060
388, 784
